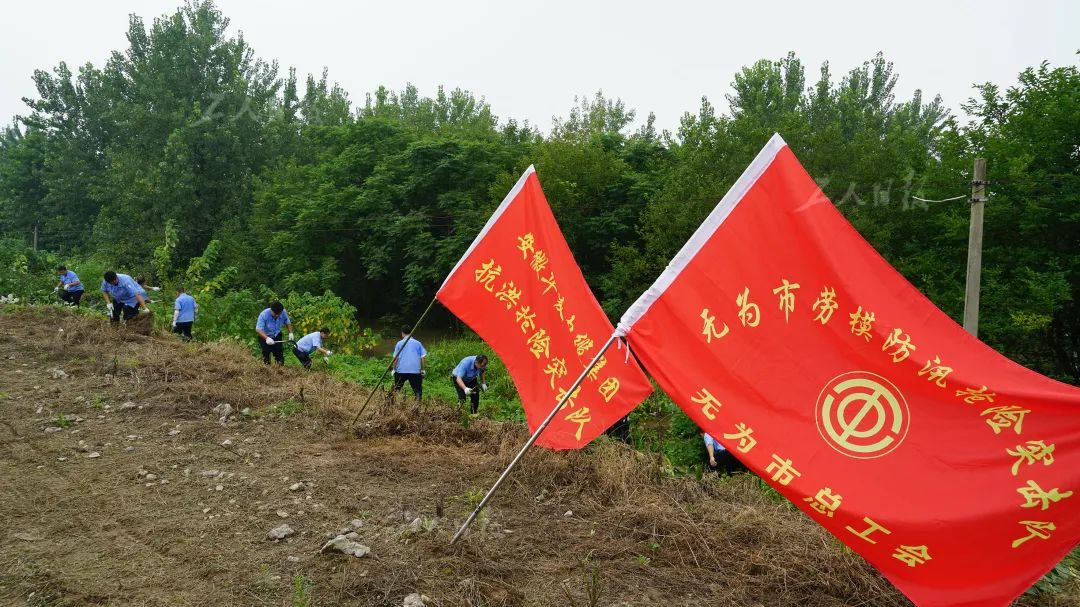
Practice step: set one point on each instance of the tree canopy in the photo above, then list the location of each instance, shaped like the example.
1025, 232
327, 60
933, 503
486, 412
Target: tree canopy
296, 187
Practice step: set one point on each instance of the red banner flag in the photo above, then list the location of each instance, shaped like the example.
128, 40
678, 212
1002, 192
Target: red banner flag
785, 336
520, 289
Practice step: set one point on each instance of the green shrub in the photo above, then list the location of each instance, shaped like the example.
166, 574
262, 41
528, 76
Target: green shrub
310, 312
25, 273
230, 315
31, 275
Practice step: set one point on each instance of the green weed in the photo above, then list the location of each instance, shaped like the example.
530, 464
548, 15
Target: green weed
264, 580
301, 594
286, 409
593, 583
60, 421
472, 499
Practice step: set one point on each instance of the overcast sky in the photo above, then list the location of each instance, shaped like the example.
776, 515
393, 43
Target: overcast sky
529, 60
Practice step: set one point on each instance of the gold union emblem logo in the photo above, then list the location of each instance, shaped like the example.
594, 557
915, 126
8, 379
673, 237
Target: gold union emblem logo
862, 415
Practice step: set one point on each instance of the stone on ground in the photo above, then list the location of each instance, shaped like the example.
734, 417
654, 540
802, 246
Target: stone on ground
344, 545
279, 533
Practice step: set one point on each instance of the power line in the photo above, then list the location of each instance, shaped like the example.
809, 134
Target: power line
942, 200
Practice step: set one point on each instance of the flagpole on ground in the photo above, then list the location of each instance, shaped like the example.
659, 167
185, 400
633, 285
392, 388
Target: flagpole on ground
393, 361
532, 439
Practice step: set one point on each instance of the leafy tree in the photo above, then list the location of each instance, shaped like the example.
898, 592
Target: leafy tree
22, 185
170, 129
185, 150
456, 113
416, 216
1031, 284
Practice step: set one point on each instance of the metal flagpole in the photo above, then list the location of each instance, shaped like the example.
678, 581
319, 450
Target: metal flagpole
392, 362
532, 439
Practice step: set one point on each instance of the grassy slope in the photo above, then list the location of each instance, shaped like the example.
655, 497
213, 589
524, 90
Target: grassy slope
98, 534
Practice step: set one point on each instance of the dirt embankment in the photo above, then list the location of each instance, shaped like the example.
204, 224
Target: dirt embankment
119, 487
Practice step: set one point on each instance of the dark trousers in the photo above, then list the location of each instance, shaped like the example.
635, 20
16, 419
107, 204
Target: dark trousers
71, 297
416, 382
183, 329
278, 350
119, 309
303, 357
474, 398
621, 430
726, 463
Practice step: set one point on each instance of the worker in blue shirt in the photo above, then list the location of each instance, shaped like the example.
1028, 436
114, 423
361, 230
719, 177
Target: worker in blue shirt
183, 316
468, 378
122, 296
141, 281
720, 460
410, 362
70, 288
310, 344
269, 325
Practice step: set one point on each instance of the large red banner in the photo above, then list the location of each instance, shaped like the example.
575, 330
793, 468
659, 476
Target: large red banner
520, 289
783, 334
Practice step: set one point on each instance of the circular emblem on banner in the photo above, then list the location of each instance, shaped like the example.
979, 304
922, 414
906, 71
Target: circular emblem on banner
862, 415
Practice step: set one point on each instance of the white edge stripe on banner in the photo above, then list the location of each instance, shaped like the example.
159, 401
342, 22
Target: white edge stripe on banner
490, 222
702, 235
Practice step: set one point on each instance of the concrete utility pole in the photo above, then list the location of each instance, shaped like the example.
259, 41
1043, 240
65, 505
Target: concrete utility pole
975, 238
35, 236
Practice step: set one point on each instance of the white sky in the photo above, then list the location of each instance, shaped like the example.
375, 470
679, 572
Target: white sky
529, 60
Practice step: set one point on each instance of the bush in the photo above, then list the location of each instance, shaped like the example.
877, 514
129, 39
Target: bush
310, 312
231, 315
31, 275
23, 272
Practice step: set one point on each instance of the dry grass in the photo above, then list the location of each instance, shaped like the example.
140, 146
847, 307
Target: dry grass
630, 539
187, 378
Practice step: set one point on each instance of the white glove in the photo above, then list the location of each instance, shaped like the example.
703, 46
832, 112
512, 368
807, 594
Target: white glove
269, 341
155, 288
144, 310
468, 391
290, 336
329, 352
483, 387
109, 306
